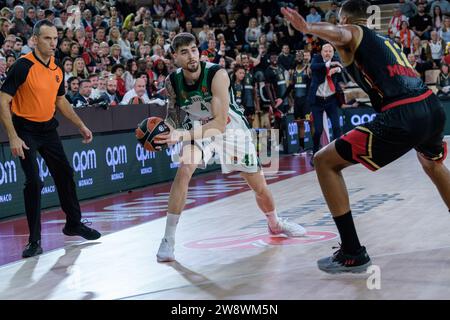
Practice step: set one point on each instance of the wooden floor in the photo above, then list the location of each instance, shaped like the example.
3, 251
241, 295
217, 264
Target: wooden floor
223, 250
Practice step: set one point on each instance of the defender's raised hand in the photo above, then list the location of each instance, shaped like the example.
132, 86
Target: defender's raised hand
295, 19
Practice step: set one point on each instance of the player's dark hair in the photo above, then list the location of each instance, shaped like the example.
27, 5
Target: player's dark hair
356, 8
181, 40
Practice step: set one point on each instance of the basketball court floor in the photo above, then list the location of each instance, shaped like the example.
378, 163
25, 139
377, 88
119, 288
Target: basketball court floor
223, 250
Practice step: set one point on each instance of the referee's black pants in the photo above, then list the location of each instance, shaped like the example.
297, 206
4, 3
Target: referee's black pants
42, 137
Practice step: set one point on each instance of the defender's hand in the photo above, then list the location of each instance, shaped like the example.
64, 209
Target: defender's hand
296, 20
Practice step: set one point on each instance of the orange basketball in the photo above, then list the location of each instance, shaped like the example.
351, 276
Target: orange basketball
148, 129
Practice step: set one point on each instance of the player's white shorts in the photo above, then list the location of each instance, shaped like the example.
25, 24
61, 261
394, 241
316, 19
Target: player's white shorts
234, 150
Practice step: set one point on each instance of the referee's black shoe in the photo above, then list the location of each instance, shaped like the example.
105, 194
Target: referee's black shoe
32, 249
82, 230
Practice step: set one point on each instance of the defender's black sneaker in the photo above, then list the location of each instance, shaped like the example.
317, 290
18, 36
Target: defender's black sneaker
32, 249
83, 231
342, 262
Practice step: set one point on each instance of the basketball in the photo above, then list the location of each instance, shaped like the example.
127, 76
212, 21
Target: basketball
148, 129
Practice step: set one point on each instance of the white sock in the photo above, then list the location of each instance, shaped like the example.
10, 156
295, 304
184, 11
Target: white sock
272, 218
171, 226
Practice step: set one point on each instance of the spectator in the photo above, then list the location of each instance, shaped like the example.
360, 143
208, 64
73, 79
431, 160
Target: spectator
420, 51
67, 66
74, 50
286, 59
234, 35
69, 34
82, 98
395, 22
333, 11
422, 23
261, 19
130, 74
252, 34
73, 84
49, 15
125, 46
95, 92
203, 34
140, 40
242, 21
437, 47
443, 83
80, 38
419, 67
118, 70
313, 15
157, 9
161, 72
137, 95
170, 22
21, 28
406, 37
61, 21
168, 42
87, 19
115, 55
158, 53
30, 19
111, 92
442, 4
29, 46
100, 34
2, 70
147, 29
189, 29
444, 33
408, 8
91, 57
10, 59
79, 68
17, 49
211, 52
5, 25
114, 36
63, 50
7, 46
437, 18
103, 54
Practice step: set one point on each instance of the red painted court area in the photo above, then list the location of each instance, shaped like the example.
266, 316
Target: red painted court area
119, 211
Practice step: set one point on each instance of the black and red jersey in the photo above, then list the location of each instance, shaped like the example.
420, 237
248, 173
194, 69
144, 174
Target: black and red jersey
383, 71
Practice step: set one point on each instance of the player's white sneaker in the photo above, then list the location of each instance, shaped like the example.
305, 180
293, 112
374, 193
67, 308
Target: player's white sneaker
289, 229
165, 251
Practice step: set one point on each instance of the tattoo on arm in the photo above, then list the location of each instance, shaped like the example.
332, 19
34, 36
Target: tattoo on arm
173, 111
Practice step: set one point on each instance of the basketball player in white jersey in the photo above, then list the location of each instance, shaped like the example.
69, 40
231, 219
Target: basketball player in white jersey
213, 123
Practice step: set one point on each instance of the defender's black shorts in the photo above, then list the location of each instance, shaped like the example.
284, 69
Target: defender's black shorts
396, 131
301, 108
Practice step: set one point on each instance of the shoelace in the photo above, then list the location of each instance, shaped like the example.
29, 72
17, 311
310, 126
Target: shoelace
86, 222
337, 252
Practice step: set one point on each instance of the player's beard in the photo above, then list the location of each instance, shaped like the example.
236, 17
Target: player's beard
193, 67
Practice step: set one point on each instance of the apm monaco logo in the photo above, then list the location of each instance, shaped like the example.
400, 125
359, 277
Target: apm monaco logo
142, 155
258, 240
116, 156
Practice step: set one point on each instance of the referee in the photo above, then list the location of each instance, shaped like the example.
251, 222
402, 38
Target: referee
33, 88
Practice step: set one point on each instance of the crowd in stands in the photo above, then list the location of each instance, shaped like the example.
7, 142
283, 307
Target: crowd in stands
117, 52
